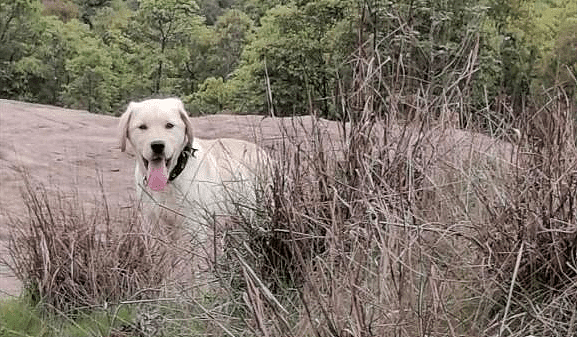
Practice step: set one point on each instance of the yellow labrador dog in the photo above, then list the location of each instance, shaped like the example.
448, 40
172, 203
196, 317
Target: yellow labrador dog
181, 179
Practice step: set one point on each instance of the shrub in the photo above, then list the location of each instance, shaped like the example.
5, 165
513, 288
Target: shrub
212, 97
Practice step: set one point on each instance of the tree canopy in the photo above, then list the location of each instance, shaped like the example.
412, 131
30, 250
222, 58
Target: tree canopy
287, 56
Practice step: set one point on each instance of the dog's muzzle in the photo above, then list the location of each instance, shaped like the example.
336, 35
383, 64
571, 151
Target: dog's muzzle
157, 167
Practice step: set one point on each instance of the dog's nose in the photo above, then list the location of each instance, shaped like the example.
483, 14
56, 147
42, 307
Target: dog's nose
157, 147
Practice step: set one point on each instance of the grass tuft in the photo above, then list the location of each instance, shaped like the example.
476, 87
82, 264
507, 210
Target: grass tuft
71, 255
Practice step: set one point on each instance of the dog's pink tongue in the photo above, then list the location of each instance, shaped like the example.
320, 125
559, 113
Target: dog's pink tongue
157, 175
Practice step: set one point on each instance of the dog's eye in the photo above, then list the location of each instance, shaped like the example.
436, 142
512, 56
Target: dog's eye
169, 125
143, 127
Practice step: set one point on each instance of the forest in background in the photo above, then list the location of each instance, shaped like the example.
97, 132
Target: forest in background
485, 59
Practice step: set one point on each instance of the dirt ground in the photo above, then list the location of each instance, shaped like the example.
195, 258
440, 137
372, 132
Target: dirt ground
66, 149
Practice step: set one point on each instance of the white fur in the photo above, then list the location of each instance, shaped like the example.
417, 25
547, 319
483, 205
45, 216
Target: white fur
221, 170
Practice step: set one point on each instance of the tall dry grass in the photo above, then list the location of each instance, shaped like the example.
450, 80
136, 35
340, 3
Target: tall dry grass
424, 231
409, 226
532, 238
414, 230
72, 253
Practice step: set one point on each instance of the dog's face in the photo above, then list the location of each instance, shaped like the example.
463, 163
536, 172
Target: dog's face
158, 130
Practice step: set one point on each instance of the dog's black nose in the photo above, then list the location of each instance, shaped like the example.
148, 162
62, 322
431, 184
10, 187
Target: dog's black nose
157, 147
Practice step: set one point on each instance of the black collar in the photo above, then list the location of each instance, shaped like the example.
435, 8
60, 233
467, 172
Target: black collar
187, 152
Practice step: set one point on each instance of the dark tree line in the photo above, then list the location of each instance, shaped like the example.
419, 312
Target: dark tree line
481, 58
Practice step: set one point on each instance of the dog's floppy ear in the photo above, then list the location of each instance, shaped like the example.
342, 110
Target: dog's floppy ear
123, 126
187, 123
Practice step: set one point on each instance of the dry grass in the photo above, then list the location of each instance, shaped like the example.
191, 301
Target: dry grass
428, 234
532, 239
71, 256
349, 236
419, 229
401, 231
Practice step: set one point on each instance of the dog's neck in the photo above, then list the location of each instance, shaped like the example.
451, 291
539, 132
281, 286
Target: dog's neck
187, 152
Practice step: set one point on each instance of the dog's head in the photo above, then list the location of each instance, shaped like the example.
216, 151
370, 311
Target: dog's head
158, 130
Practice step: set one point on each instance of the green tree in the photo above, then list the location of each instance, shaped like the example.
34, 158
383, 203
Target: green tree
211, 10
560, 65
232, 30
14, 15
34, 53
213, 96
287, 65
17, 34
532, 40
89, 8
215, 53
547, 28
165, 27
256, 9
51, 52
203, 60
130, 63
92, 81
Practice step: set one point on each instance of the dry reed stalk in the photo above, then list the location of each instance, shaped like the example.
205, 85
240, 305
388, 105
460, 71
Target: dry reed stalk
70, 257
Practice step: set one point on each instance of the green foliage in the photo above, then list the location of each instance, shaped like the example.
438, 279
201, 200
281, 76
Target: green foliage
92, 81
231, 30
289, 53
57, 63
536, 49
552, 33
286, 56
211, 10
88, 8
256, 9
95, 323
17, 318
131, 61
561, 63
213, 96
203, 61
215, 51
14, 15
165, 28
16, 34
